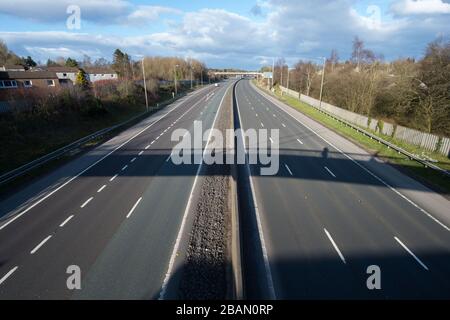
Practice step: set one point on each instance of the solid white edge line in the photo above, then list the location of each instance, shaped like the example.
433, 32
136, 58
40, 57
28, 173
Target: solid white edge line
98, 161
86, 202
363, 167
40, 245
101, 188
269, 278
134, 207
115, 176
335, 246
412, 254
65, 221
329, 171
7, 275
186, 211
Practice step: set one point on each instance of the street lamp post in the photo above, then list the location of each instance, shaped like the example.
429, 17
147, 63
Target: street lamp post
321, 83
145, 84
175, 77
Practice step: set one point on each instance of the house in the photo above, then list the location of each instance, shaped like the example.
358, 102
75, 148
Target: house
12, 68
96, 74
66, 75
14, 83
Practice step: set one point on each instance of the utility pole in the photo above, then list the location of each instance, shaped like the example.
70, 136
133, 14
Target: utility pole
191, 77
202, 77
145, 84
321, 84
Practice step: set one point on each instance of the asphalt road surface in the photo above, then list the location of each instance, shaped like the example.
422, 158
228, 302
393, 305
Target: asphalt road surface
332, 210
116, 215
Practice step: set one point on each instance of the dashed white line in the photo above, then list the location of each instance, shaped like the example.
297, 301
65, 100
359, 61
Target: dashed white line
101, 188
262, 124
168, 158
134, 207
289, 170
115, 176
329, 171
40, 245
283, 125
6, 276
412, 254
274, 115
87, 201
335, 246
124, 167
140, 153
132, 160
256, 114
65, 221
147, 147
299, 141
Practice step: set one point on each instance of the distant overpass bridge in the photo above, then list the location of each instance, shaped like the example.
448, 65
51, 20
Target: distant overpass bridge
234, 73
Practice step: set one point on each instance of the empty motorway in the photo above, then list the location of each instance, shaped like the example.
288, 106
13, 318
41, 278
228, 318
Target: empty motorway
120, 213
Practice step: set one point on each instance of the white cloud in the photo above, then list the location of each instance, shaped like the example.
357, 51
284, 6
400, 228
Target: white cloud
420, 7
99, 11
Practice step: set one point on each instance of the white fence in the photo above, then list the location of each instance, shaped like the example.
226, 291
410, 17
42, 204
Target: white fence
424, 140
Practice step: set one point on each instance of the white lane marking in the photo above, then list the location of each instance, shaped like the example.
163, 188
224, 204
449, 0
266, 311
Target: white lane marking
40, 245
152, 142
290, 172
262, 124
367, 170
134, 207
98, 161
65, 221
271, 140
266, 108
148, 146
101, 188
412, 254
329, 171
258, 218
86, 202
186, 211
124, 167
6, 276
132, 160
168, 158
274, 115
256, 114
299, 141
113, 177
283, 125
140, 153
335, 246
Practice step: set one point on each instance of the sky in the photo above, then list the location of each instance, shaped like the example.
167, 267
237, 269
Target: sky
244, 34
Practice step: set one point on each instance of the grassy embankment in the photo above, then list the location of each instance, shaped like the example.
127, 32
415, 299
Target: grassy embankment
28, 136
430, 177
